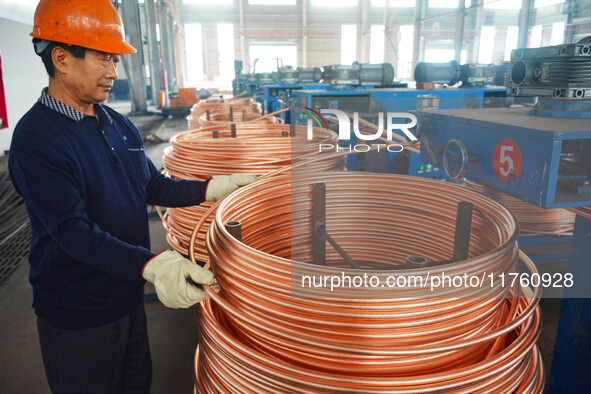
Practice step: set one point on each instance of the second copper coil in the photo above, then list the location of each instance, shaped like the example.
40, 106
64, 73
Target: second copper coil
533, 220
257, 149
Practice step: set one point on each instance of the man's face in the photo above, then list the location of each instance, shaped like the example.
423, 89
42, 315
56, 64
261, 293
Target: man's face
90, 79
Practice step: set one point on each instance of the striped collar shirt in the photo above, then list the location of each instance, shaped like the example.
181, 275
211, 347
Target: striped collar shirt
70, 112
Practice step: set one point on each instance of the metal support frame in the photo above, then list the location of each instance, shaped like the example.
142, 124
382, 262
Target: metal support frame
418, 23
571, 370
133, 63
153, 50
459, 36
319, 234
167, 39
525, 17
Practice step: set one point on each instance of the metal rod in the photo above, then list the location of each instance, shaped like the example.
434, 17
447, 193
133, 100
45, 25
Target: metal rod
216, 134
416, 262
318, 223
463, 229
233, 130
231, 114
341, 251
243, 114
208, 114
234, 227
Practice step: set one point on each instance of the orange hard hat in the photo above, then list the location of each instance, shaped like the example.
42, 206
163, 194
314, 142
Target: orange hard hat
93, 24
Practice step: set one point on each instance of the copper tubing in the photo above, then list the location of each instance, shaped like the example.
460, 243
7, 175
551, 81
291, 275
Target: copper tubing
257, 336
533, 220
582, 211
221, 107
224, 119
257, 149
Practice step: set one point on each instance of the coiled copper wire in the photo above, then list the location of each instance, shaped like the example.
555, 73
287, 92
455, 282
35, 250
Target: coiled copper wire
582, 211
224, 119
258, 336
533, 220
257, 149
218, 107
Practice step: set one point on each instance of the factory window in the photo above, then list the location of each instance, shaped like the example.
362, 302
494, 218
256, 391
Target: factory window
487, 42
557, 33
393, 3
271, 2
502, 4
348, 44
443, 55
376, 44
334, 3
194, 51
535, 40
545, 3
511, 41
208, 2
447, 3
267, 56
405, 43
226, 50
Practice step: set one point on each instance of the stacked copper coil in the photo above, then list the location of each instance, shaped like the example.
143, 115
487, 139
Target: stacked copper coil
221, 110
533, 220
263, 332
582, 211
256, 149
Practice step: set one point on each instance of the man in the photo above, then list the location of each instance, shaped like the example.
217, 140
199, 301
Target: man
83, 173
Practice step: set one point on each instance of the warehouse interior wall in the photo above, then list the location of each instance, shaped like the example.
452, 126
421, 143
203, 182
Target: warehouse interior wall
23, 73
323, 29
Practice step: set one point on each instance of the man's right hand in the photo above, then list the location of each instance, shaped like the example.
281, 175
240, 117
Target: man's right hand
172, 275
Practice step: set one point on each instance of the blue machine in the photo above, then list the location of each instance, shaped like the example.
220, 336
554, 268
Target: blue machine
542, 156
541, 160
277, 96
369, 102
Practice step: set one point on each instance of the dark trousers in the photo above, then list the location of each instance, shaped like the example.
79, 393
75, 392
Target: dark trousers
114, 358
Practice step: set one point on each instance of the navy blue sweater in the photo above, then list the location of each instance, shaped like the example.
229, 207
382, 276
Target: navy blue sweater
86, 182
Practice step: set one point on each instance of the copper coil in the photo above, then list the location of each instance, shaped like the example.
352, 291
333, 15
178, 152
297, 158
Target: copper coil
224, 119
582, 211
257, 149
241, 108
533, 220
261, 333
179, 224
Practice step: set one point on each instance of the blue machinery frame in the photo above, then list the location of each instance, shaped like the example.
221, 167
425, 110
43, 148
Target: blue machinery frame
542, 181
395, 100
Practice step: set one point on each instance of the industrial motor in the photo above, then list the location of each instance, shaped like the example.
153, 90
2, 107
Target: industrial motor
309, 74
555, 71
288, 75
451, 73
359, 74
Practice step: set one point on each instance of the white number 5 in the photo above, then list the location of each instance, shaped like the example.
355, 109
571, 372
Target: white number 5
503, 159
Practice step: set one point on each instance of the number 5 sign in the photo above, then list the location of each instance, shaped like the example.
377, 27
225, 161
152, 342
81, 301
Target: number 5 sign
507, 160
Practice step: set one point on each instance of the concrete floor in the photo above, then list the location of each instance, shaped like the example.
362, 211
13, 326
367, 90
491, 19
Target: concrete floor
173, 333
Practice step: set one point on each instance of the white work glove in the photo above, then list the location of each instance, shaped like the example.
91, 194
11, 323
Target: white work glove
221, 185
171, 275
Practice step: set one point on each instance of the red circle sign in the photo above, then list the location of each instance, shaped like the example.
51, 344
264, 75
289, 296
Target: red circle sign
507, 160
